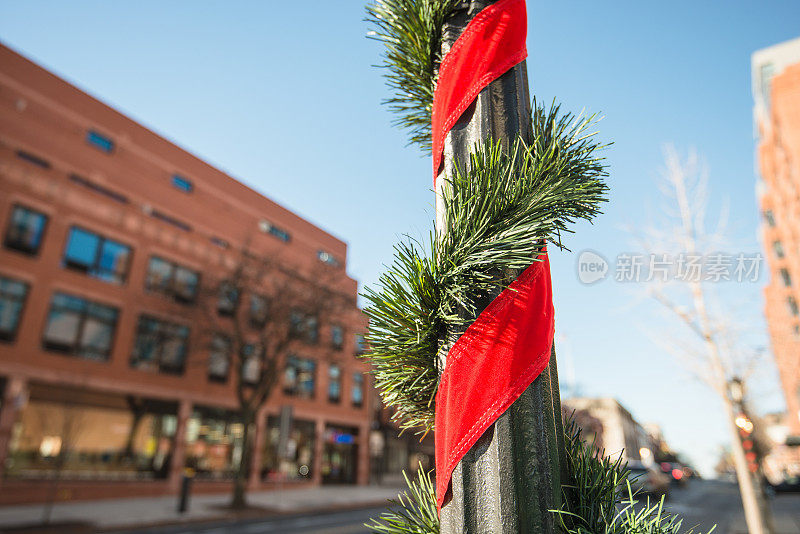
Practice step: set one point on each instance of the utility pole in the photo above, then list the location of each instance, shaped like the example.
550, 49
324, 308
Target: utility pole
511, 478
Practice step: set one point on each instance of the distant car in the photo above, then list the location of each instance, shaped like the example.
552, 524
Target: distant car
647, 479
790, 484
675, 473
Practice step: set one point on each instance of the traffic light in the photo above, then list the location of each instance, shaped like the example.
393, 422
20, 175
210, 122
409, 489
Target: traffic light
745, 430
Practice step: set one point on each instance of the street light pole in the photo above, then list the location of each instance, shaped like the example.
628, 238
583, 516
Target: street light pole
511, 478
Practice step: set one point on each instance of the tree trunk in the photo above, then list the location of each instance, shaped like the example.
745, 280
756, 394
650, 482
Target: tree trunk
747, 489
239, 498
511, 478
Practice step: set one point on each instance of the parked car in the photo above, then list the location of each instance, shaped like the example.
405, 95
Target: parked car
790, 484
647, 479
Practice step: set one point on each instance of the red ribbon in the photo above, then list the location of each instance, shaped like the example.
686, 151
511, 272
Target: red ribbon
492, 43
509, 344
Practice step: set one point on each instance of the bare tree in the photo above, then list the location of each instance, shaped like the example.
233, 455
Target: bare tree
252, 316
65, 424
716, 353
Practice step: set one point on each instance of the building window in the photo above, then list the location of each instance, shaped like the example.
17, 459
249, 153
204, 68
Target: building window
172, 280
298, 379
160, 346
358, 390
163, 217
12, 301
184, 184
219, 358
337, 337
359, 344
32, 158
769, 217
97, 256
100, 141
786, 278
334, 383
228, 299
792, 304
80, 327
25, 230
777, 246
259, 311
221, 243
269, 228
252, 363
327, 258
305, 327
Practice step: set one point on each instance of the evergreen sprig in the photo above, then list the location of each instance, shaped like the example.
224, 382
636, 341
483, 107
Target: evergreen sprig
598, 499
500, 208
411, 30
414, 511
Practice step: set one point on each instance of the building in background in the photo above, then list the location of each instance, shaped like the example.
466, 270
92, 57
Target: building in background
776, 91
108, 235
619, 435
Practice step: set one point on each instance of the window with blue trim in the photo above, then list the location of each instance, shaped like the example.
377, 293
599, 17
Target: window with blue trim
100, 141
184, 184
97, 256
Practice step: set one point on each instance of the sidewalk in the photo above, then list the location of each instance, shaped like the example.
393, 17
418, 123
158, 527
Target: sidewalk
144, 511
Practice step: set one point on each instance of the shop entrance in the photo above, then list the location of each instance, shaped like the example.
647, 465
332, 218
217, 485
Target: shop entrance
339, 455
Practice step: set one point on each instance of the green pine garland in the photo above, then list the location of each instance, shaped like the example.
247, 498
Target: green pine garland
501, 206
411, 30
498, 212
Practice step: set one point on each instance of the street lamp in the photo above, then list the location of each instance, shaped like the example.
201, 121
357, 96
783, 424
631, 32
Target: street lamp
736, 390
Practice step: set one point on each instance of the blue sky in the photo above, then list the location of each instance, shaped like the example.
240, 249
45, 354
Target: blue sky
283, 96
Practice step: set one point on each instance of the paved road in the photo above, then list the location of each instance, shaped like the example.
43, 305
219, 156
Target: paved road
344, 522
702, 504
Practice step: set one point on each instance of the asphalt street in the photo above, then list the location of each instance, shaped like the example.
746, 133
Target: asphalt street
339, 522
702, 504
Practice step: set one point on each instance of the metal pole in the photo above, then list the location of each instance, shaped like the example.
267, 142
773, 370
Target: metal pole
511, 478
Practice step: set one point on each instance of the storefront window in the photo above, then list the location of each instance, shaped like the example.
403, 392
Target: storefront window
296, 460
83, 434
214, 440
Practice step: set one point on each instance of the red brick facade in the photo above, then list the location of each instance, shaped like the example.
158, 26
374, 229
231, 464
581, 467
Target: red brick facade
776, 87
83, 165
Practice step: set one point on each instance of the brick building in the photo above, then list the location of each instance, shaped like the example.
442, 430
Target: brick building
110, 234
776, 91
612, 427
